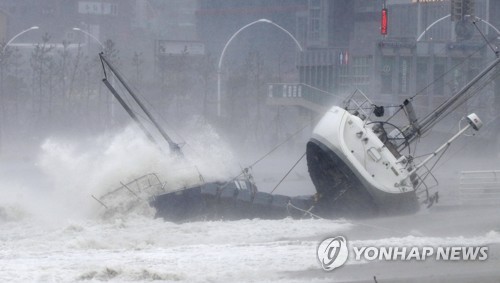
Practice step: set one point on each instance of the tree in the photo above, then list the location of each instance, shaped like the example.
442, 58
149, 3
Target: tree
137, 63
207, 73
39, 62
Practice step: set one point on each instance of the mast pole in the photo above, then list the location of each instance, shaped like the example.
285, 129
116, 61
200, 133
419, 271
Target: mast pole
433, 117
174, 147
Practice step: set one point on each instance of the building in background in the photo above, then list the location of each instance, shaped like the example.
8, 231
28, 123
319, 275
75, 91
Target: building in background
3, 26
345, 48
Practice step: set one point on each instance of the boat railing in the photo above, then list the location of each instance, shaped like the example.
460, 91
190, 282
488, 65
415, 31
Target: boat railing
139, 189
359, 104
426, 186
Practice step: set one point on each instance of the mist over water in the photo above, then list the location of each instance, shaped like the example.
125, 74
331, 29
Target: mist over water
52, 99
52, 230
77, 169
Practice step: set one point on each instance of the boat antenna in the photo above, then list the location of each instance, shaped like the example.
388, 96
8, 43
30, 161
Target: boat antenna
174, 147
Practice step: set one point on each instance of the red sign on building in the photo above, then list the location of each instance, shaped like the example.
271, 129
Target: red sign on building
383, 22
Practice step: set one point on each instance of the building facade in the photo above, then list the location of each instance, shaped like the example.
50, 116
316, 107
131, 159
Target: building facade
346, 50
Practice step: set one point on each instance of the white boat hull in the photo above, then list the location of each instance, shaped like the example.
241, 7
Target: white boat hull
353, 172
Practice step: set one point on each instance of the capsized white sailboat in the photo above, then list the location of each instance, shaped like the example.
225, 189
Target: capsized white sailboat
357, 163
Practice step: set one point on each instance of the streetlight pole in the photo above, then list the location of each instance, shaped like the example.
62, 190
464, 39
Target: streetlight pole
108, 103
90, 35
18, 35
219, 67
449, 15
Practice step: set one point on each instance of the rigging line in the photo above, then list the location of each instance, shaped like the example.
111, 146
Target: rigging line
160, 115
395, 113
287, 173
439, 158
447, 72
278, 146
463, 100
470, 89
485, 39
117, 74
465, 144
444, 139
303, 210
369, 108
423, 155
131, 105
266, 155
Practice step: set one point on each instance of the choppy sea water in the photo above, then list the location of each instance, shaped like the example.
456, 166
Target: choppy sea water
51, 230
138, 248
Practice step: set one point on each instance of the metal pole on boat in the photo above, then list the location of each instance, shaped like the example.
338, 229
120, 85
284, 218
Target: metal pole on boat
474, 122
128, 110
174, 147
427, 123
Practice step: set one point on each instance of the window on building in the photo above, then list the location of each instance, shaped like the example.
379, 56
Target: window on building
316, 3
423, 75
70, 36
457, 74
343, 78
318, 22
114, 10
367, 6
48, 11
361, 70
474, 68
439, 80
404, 75
387, 69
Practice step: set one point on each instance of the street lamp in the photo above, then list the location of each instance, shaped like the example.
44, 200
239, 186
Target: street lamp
90, 35
449, 15
227, 44
17, 35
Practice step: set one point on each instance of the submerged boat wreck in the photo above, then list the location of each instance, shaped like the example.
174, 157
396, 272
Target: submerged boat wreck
233, 199
357, 162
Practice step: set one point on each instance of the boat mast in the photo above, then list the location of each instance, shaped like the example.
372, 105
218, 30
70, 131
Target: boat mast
470, 89
174, 147
128, 110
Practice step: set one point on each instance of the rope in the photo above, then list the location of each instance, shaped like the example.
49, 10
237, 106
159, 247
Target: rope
287, 173
485, 39
305, 211
447, 72
278, 146
145, 101
265, 155
345, 221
